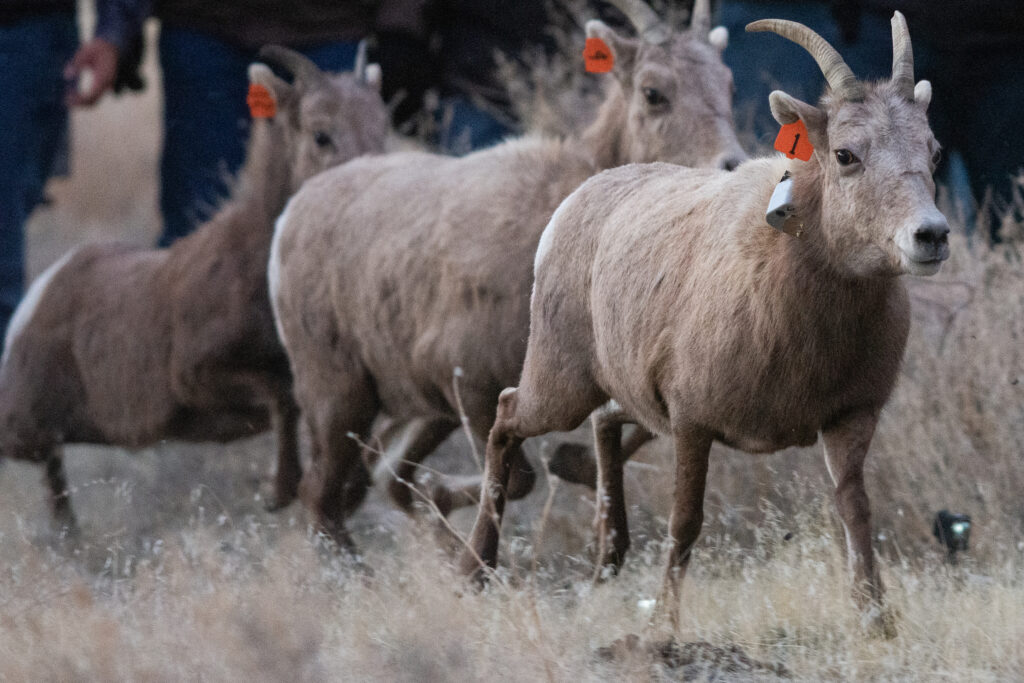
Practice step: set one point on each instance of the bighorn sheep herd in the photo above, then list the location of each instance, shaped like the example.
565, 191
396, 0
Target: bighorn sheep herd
378, 301
115, 344
657, 294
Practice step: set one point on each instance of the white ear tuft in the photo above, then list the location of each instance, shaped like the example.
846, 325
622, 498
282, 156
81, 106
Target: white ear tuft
923, 93
719, 37
260, 73
782, 107
373, 76
595, 28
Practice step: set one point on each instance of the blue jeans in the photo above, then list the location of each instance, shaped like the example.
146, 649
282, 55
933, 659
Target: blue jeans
469, 127
33, 123
206, 120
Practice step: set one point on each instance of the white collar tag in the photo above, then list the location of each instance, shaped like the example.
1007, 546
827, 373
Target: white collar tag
781, 212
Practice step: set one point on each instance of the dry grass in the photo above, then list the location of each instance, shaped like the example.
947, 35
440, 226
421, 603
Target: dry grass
180, 575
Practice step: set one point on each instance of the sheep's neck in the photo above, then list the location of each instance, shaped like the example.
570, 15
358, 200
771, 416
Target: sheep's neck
264, 182
603, 139
805, 260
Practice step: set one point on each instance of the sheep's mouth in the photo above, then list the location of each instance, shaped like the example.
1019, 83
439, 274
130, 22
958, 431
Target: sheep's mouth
916, 265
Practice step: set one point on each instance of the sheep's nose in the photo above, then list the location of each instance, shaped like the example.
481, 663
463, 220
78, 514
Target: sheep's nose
730, 163
932, 234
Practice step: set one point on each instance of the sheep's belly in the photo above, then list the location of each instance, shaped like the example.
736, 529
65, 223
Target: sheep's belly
769, 444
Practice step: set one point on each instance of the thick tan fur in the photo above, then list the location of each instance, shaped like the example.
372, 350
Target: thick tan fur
664, 289
129, 346
392, 272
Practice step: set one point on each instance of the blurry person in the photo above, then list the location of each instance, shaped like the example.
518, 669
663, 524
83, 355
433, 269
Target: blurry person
37, 38
205, 49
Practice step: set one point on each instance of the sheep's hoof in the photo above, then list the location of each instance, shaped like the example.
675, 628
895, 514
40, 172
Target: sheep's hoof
882, 623
278, 495
573, 462
441, 497
334, 539
611, 565
274, 502
472, 569
698, 660
67, 533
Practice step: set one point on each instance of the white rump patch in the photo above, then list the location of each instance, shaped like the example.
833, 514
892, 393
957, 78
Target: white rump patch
23, 313
546, 238
274, 268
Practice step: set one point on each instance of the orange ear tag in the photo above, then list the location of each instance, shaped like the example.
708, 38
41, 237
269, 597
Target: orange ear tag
261, 102
792, 141
597, 56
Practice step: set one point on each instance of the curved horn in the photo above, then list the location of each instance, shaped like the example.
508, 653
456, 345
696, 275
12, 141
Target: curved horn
648, 25
902, 56
360, 68
700, 18
839, 76
299, 66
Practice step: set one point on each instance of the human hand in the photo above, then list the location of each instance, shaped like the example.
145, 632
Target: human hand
98, 57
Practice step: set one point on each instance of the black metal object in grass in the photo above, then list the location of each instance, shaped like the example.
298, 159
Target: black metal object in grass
953, 530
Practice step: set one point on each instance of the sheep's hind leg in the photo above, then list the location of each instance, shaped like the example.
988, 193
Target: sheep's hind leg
60, 497
427, 435
522, 413
611, 521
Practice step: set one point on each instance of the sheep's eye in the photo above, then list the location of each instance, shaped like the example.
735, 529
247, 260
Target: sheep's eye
321, 138
845, 157
654, 97
937, 157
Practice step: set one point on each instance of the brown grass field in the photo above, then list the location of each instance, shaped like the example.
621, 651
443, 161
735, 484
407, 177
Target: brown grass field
181, 575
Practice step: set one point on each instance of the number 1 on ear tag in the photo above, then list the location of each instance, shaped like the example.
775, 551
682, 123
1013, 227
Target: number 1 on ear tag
792, 141
597, 56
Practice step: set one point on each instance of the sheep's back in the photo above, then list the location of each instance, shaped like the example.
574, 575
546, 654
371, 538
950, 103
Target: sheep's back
697, 309
427, 261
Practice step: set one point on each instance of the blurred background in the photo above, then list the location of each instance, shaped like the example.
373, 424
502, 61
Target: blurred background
462, 75
953, 436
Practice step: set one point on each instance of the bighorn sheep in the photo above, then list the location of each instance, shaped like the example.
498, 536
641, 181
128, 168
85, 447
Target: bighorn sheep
116, 344
389, 273
663, 289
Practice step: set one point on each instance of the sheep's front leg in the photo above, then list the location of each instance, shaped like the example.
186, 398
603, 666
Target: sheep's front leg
60, 496
424, 439
285, 417
846, 445
692, 449
573, 462
338, 480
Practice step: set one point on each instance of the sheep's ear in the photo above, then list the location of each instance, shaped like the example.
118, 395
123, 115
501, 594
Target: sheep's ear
624, 50
280, 90
373, 76
787, 109
719, 38
923, 94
